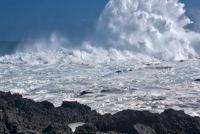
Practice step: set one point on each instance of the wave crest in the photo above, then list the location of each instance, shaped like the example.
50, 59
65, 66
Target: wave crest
127, 29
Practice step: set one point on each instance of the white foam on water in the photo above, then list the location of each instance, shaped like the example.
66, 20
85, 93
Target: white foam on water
73, 126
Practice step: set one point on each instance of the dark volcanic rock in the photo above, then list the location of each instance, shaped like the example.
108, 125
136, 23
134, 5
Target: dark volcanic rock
85, 92
181, 60
91, 129
125, 70
105, 91
119, 71
19, 115
168, 122
86, 129
47, 104
197, 80
23, 116
57, 129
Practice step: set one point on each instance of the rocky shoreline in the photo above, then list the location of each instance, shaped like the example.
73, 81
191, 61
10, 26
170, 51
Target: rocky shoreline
24, 116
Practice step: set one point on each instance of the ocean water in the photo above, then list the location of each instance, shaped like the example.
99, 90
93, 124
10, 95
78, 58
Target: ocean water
7, 47
112, 87
141, 57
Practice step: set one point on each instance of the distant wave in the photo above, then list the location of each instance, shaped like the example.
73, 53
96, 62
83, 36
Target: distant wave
127, 29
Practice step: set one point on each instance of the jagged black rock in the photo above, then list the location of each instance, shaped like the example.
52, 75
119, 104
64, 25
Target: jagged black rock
24, 116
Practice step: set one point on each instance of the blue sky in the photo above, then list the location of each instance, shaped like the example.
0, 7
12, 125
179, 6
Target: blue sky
21, 19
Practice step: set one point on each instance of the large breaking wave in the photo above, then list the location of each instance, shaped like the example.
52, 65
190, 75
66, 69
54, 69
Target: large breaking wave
126, 29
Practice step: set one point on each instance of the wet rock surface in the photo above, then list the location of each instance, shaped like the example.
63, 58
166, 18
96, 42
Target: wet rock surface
198, 80
23, 116
85, 92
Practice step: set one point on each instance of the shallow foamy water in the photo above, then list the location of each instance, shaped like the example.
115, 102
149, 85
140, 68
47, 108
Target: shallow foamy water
113, 87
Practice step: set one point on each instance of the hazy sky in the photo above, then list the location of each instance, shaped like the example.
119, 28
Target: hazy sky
21, 19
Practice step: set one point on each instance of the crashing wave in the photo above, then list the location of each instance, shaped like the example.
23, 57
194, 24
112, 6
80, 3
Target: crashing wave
127, 29
153, 27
